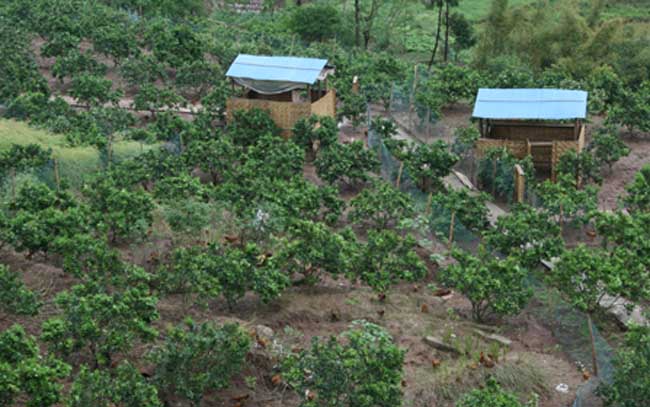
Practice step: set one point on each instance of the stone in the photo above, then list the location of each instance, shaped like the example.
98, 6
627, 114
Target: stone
502, 340
437, 343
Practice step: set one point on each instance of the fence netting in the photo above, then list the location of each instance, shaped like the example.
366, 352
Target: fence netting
568, 325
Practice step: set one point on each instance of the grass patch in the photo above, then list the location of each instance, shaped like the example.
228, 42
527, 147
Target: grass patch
75, 163
478, 9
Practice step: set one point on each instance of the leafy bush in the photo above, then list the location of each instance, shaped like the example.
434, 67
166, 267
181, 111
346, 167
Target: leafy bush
315, 22
26, 376
490, 396
492, 285
314, 133
638, 192
248, 126
198, 358
15, 298
100, 322
631, 383
428, 164
93, 90
126, 388
346, 163
361, 368
386, 259
380, 206
582, 166
608, 148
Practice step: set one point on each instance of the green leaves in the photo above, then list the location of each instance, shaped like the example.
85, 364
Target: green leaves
387, 259
196, 359
360, 368
346, 163
492, 395
492, 285
26, 377
126, 387
380, 206
638, 192
608, 148
99, 322
631, 383
15, 298
429, 163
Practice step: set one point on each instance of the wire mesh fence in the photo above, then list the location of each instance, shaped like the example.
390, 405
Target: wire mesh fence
568, 325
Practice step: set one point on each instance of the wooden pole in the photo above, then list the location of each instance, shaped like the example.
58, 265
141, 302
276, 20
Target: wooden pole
451, 230
594, 358
429, 200
399, 175
412, 97
57, 177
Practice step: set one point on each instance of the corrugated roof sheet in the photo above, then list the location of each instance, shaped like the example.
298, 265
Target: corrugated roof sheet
281, 69
530, 104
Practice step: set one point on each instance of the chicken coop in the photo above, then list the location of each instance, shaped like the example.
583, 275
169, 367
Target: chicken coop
542, 123
289, 88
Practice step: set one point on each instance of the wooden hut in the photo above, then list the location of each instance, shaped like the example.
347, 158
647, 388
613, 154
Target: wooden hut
288, 87
543, 123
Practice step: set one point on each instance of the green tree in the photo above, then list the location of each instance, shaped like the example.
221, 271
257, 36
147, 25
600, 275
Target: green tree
585, 276
249, 125
492, 285
15, 297
466, 209
380, 206
492, 395
152, 99
92, 90
315, 21
27, 377
217, 157
581, 166
346, 163
526, 234
124, 212
311, 248
196, 359
125, 387
638, 192
564, 200
428, 164
634, 111
631, 383
608, 148
386, 259
353, 107
363, 367
314, 133
99, 322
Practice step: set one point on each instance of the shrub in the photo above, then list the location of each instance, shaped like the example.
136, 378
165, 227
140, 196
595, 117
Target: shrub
492, 285
380, 206
346, 163
198, 358
127, 387
28, 378
638, 192
248, 126
428, 164
315, 22
386, 259
363, 368
15, 298
490, 396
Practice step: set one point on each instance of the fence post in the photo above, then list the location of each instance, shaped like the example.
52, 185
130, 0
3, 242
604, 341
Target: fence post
412, 97
399, 175
451, 230
520, 184
57, 177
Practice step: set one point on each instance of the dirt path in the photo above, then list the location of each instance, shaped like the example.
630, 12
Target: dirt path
623, 172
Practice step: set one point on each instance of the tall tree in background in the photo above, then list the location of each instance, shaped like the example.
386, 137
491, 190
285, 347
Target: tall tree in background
448, 4
363, 22
439, 4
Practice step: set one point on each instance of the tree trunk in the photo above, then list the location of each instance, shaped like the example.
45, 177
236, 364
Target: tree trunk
594, 359
435, 47
357, 22
451, 230
446, 30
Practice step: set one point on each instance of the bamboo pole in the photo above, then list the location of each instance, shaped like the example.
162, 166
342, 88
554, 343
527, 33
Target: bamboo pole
594, 358
399, 175
451, 230
57, 177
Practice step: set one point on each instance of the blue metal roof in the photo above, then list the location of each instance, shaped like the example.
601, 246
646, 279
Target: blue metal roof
280, 69
530, 104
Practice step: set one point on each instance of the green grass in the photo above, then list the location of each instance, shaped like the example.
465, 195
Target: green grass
75, 163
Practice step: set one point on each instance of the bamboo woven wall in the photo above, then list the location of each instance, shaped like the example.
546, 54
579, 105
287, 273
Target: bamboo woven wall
519, 149
532, 131
325, 106
284, 114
